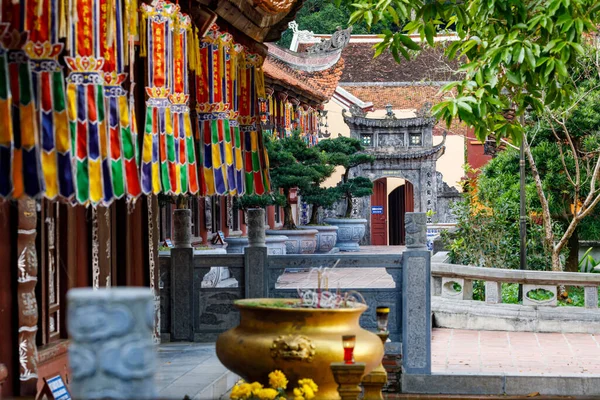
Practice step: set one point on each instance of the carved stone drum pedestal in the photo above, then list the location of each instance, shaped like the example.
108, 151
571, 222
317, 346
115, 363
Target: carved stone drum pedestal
111, 355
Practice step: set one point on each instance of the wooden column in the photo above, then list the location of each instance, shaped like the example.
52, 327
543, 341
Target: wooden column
8, 354
27, 265
153, 262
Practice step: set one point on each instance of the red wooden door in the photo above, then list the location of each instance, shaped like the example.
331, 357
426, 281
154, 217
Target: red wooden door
379, 213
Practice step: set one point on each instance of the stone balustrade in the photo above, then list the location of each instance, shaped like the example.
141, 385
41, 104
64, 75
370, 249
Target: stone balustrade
445, 276
453, 305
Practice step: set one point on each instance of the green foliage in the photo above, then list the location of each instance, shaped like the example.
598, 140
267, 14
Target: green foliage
539, 294
588, 264
515, 54
490, 237
257, 201
347, 152
322, 16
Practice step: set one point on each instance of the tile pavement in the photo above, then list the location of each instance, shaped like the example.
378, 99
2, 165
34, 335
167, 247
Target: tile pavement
192, 370
457, 351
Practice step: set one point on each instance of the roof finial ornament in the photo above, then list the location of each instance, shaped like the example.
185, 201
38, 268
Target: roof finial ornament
356, 111
339, 39
425, 111
389, 114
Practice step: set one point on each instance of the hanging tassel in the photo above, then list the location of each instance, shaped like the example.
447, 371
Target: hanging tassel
62, 19
143, 36
110, 21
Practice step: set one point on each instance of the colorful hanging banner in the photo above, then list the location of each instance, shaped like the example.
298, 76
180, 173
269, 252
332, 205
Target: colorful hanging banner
216, 83
19, 130
168, 159
121, 126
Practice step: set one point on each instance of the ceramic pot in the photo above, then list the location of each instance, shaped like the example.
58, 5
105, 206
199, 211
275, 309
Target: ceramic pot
326, 237
350, 232
301, 342
299, 241
275, 244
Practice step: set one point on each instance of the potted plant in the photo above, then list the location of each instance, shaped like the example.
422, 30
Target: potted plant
275, 243
293, 164
347, 152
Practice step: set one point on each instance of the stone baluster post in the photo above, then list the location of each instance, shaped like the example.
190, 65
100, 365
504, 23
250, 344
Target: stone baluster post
256, 255
348, 377
182, 277
416, 297
591, 296
111, 354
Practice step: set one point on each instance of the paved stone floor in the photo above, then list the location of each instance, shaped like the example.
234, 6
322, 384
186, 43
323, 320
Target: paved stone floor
193, 370
515, 353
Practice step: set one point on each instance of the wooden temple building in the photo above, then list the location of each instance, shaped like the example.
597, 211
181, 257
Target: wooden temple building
107, 106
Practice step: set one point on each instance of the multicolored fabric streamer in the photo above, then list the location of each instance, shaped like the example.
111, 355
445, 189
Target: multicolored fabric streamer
121, 126
19, 132
251, 79
6, 126
86, 109
168, 159
43, 49
216, 95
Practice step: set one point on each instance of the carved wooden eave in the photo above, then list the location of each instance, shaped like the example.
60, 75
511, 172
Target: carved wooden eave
261, 20
319, 57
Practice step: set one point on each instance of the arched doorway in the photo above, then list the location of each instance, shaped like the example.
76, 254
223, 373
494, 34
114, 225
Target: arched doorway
400, 201
392, 197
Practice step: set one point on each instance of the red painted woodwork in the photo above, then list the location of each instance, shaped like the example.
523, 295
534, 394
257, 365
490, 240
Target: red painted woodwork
401, 200
8, 352
475, 151
379, 221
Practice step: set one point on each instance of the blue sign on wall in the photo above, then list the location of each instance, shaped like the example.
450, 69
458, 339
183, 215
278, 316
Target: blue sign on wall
376, 209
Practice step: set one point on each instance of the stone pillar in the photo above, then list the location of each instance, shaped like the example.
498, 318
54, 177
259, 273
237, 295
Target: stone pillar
591, 296
348, 377
416, 297
493, 292
182, 228
182, 294
111, 354
256, 227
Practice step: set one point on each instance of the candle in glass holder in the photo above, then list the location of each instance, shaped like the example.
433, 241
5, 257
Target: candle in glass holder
348, 341
383, 314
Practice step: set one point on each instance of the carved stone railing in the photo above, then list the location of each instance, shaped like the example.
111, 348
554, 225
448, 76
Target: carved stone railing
391, 297
446, 276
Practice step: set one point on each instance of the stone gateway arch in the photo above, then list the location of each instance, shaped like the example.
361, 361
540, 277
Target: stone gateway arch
403, 149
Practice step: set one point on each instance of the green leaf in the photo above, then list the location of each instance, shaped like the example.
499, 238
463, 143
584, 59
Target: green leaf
429, 33
530, 58
578, 48
394, 15
514, 77
408, 42
560, 67
369, 17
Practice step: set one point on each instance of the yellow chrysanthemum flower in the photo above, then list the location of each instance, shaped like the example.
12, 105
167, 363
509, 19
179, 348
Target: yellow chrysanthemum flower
298, 398
241, 391
255, 387
267, 394
298, 392
308, 392
310, 383
277, 380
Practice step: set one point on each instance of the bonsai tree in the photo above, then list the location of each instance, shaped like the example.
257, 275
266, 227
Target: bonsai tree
318, 197
347, 152
293, 164
248, 201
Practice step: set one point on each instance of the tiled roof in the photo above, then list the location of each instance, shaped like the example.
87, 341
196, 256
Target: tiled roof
429, 65
318, 85
406, 97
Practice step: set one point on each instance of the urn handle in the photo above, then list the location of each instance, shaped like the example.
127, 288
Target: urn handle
293, 347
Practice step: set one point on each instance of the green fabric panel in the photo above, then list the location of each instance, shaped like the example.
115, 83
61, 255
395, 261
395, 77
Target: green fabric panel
170, 147
227, 130
184, 179
127, 142
83, 189
3, 78
191, 154
100, 103
118, 178
24, 84
73, 129
255, 162
58, 92
249, 183
214, 129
